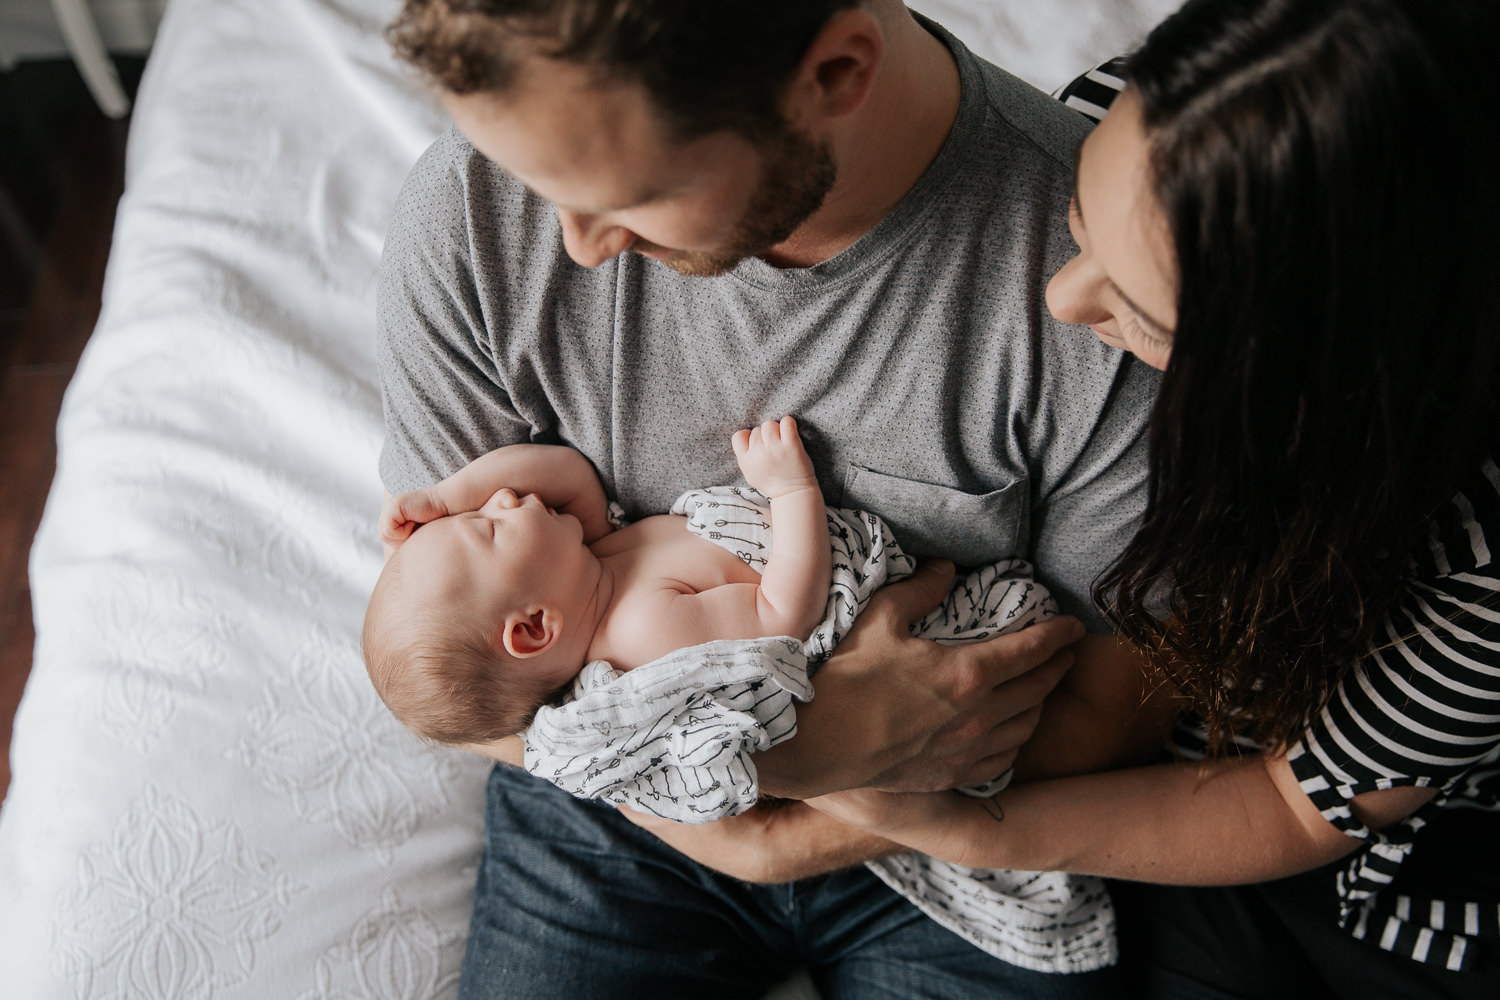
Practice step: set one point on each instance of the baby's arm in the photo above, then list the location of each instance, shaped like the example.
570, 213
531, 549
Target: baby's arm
562, 477
793, 591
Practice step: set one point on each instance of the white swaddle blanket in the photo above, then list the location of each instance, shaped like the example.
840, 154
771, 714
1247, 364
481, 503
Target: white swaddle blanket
675, 737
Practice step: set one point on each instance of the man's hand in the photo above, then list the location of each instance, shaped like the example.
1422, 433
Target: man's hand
773, 458
906, 714
401, 515
776, 841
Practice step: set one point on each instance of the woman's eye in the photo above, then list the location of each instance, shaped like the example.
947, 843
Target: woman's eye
1150, 337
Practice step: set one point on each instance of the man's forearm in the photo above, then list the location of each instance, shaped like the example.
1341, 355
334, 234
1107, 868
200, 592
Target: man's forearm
777, 841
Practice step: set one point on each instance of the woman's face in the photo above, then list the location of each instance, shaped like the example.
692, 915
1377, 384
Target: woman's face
1123, 283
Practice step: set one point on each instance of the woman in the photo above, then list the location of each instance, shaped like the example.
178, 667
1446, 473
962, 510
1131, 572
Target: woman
1289, 210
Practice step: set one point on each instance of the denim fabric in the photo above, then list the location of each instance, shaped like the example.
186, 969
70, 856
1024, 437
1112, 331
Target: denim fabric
575, 902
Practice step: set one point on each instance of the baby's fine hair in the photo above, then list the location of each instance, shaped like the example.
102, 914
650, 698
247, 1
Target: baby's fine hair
443, 678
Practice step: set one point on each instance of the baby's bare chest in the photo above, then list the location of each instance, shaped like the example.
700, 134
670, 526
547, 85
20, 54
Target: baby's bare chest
673, 558
678, 558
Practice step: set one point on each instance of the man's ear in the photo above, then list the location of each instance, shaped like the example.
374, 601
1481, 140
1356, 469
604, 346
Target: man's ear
838, 70
529, 633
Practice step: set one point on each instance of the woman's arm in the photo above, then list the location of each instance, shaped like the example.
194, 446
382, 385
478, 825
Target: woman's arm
1222, 823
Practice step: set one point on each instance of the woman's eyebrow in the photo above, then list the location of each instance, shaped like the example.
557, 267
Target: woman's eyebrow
1140, 313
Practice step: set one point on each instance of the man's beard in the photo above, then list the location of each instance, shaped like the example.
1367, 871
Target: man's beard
796, 175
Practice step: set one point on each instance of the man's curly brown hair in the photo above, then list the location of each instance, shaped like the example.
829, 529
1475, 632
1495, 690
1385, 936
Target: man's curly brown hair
706, 65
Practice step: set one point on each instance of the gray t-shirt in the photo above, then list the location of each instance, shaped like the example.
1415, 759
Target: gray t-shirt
930, 383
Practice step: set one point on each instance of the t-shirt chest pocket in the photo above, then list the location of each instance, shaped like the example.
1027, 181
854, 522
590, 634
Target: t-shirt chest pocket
972, 529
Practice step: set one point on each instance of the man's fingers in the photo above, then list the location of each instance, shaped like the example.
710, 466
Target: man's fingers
1007, 657
902, 604
1008, 736
1021, 692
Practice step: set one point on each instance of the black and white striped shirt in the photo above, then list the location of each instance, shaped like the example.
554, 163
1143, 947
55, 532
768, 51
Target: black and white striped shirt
1422, 710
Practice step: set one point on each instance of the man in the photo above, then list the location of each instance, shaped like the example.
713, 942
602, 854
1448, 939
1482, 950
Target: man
659, 221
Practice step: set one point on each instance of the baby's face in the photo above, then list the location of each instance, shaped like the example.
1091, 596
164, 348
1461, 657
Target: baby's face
508, 551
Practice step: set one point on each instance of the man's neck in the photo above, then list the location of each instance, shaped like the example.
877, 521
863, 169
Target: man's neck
884, 148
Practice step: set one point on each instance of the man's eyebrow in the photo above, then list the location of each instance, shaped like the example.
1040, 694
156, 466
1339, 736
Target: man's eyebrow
645, 198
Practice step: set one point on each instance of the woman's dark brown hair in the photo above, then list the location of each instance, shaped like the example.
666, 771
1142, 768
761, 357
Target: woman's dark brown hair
1326, 171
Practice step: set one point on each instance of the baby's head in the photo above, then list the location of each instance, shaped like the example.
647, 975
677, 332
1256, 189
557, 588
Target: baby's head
479, 619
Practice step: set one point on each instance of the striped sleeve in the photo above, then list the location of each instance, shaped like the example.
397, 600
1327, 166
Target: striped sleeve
1092, 93
1422, 710
1424, 707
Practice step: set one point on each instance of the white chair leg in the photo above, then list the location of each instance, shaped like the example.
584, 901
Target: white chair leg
87, 48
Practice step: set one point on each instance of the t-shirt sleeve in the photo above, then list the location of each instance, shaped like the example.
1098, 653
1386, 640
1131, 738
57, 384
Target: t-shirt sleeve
443, 397
1424, 707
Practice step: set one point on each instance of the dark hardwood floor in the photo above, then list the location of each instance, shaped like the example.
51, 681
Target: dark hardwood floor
61, 173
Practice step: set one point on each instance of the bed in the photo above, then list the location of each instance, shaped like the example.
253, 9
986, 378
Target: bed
209, 800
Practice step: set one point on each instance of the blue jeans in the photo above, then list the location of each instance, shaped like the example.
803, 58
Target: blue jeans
576, 902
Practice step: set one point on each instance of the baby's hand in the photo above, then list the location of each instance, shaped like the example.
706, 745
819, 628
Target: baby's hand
772, 458
400, 516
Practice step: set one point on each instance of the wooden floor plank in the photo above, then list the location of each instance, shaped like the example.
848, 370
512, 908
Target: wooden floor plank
15, 666
70, 274
39, 348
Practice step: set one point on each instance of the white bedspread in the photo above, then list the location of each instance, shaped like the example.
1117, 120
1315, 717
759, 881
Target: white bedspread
209, 800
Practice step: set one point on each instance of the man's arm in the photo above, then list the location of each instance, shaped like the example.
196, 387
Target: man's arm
777, 841
444, 399
899, 712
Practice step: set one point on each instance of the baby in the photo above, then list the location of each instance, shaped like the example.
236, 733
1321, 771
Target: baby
647, 666
516, 580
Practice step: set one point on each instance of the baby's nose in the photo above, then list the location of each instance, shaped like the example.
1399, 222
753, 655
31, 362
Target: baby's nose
502, 499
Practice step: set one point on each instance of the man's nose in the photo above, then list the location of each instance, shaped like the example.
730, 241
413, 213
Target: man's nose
590, 240
1075, 293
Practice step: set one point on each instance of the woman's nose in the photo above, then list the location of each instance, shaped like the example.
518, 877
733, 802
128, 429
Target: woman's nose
1076, 293
590, 240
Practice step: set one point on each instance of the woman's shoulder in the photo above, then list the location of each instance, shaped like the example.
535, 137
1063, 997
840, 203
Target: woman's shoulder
1424, 705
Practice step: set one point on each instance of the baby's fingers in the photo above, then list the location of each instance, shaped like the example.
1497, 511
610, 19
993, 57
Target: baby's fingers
393, 532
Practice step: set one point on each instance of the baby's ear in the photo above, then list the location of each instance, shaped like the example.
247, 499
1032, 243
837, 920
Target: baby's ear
529, 633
